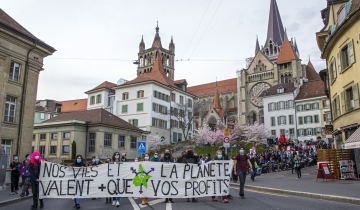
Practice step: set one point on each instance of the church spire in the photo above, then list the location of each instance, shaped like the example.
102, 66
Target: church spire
216, 98
172, 45
142, 44
275, 27
157, 40
257, 46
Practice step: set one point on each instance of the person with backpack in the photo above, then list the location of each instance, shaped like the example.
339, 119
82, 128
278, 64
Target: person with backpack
25, 174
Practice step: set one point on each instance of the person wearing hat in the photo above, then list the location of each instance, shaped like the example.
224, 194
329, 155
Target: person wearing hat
15, 175
25, 174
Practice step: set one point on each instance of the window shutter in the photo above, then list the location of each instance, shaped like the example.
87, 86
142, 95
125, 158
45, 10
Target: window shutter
333, 104
338, 113
269, 107
343, 107
339, 63
324, 117
305, 120
314, 131
355, 89
284, 119
154, 107
351, 52
136, 122
323, 103
311, 119
330, 71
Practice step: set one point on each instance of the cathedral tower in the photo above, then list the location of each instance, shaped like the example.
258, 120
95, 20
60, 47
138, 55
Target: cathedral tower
146, 57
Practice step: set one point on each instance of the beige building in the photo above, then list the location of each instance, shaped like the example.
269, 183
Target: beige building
21, 60
339, 42
89, 133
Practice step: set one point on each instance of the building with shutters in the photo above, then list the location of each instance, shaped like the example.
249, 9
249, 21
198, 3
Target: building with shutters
339, 42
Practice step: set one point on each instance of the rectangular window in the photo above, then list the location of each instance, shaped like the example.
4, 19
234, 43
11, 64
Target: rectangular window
42, 136
292, 133
182, 100
124, 108
134, 122
140, 107
189, 103
349, 99
52, 149
291, 119
307, 106
34, 136
309, 131
328, 117
180, 136
301, 120
276, 106
291, 104
282, 131
140, 94
98, 99
121, 141
42, 150
111, 99
54, 136
42, 116
173, 96
92, 100
107, 139
125, 96
272, 121
10, 109
327, 103
281, 105
66, 149
133, 142
316, 118
344, 54
273, 132
66, 135
175, 137
92, 142
14, 72
269, 107
315, 106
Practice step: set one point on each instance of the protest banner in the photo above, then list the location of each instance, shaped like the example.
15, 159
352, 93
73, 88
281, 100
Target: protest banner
135, 179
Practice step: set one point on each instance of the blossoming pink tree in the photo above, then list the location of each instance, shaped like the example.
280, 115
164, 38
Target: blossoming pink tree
155, 142
256, 134
201, 135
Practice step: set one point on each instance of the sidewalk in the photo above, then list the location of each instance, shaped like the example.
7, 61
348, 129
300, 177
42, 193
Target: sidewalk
6, 198
286, 183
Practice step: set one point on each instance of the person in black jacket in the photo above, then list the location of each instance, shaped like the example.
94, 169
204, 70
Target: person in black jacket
179, 160
189, 157
79, 162
167, 159
34, 169
15, 175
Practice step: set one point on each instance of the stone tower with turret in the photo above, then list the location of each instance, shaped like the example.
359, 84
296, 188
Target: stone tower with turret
146, 57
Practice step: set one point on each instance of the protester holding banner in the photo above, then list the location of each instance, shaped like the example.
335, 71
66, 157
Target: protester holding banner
144, 201
189, 157
108, 199
25, 174
116, 159
34, 169
79, 162
155, 158
123, 157
167, 159
220, 156
240, 166
179, 160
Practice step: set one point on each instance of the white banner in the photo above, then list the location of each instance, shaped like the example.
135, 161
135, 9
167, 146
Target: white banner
135, 179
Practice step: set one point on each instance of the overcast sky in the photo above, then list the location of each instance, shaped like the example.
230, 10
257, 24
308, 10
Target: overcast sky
107, 34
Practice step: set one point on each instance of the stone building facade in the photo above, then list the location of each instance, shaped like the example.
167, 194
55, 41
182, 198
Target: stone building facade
21, 60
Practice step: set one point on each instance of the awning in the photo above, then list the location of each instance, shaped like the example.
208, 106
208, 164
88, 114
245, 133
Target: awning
353, 141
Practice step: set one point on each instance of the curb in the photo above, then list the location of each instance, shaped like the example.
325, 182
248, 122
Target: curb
335, 198
14, 200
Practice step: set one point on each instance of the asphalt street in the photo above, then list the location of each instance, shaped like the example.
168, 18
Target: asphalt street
254, 200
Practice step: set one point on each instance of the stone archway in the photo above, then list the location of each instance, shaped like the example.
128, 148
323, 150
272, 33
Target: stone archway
252, 118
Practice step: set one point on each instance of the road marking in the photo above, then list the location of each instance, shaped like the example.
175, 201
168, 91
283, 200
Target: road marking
267, 193
153, 202
168, 206
133, 203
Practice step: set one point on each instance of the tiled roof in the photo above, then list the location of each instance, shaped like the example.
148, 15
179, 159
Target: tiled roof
288, 87
311, 90
156, 74
106, 84
180, 81
8, 21
74, 105
224, 86
220, 112
287, 53
311, 73
94, 116
216, 104
44, 109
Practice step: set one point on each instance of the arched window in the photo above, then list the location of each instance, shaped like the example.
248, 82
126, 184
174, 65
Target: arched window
167, 61
146, 61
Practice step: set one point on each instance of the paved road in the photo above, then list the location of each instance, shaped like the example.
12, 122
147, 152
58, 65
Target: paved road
254, 200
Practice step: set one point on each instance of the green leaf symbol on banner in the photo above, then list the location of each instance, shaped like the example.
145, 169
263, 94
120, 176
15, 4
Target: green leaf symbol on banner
141, 177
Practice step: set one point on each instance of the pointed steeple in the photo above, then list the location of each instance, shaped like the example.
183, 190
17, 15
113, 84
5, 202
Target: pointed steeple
172, 45
216, 98
286, 34
142, 44
287, 53
296, 48
257, 46
275, 27
157, 40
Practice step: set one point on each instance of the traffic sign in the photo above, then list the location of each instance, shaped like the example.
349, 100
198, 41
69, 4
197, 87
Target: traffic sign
227, 132
231, 149
162, 138
226, 142
141, 147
